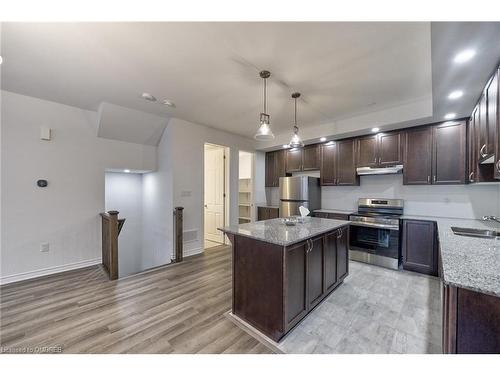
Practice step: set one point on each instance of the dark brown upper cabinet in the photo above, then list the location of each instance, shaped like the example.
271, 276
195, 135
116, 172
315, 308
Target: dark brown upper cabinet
449, 144
435, 154
494, 119
487, 108
367, 151
328, 164
294, 160
311, 157
303, 159
338, 166
346, 163
417, 156
379, 150
389, 149
275, 167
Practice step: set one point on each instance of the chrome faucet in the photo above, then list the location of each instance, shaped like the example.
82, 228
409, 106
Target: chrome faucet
491, 218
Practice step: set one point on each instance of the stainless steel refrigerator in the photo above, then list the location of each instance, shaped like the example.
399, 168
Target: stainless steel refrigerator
299, 191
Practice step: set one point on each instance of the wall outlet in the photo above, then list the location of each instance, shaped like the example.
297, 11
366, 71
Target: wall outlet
44, 247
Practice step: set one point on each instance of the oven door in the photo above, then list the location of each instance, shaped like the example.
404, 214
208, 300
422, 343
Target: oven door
375, 240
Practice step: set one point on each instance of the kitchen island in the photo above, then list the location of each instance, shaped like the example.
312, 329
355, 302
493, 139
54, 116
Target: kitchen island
280, 273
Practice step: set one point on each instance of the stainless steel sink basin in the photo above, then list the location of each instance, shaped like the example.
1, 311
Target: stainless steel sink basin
471, 232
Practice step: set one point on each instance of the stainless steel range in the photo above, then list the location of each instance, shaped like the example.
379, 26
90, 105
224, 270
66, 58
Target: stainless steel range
374, 232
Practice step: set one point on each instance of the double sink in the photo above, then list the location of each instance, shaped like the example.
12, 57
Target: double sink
472, 232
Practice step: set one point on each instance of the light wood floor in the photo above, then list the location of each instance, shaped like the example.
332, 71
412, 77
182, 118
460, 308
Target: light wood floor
172, 309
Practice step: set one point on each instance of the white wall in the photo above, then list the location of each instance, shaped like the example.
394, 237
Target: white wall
123, 193
186, 157
460, 201
66, 213
245, 165
157, 208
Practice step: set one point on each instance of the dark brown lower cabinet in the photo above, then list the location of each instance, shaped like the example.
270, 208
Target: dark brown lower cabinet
266, 213
420, 248
471, 322
332, 215
315, 271
302, 275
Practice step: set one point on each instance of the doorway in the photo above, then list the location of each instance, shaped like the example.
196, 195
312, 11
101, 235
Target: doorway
215, 193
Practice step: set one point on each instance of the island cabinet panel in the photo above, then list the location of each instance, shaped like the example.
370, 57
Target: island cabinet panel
275, 287
449, 143
471, 322
296, 305
294, 160
342, 253
328, 164
310, 157
389, 149
315, 269
367, 151
330, 249
346, 163
257, 278
420, 253
266, 213
417, 156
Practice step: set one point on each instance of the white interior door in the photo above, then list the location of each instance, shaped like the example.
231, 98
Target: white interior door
214, 193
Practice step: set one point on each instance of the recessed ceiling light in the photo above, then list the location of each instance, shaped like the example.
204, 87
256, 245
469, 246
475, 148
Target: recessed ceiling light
374, 130
464, 56
450, 116
168, 103
126, 170
148, 97
286, 146
455, 94
322, 139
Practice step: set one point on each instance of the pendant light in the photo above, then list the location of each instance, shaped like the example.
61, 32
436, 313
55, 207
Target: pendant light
296, 142
264, 132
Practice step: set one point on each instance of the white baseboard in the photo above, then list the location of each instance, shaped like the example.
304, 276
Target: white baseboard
47, 271
188, 253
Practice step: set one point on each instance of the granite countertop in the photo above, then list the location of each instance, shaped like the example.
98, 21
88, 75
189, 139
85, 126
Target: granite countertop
333, 210
468, 262
276, 232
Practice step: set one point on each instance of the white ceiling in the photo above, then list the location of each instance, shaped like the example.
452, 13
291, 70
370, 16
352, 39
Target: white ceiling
210, 70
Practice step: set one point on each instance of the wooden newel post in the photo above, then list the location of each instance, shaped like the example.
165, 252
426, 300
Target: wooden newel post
110, 232
178, 240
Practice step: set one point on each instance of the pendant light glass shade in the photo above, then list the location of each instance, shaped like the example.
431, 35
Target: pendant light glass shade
296, 142
264, 133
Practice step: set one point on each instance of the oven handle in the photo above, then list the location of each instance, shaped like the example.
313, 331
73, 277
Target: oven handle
373, 225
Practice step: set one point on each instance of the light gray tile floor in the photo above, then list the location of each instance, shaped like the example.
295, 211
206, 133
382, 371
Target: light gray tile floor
375, 310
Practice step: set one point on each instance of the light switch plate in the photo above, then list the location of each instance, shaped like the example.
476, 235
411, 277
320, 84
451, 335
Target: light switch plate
44, 247
45, 133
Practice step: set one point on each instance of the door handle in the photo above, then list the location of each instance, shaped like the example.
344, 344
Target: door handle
498, 165
481, 151
472, 174
206, 206
339, 232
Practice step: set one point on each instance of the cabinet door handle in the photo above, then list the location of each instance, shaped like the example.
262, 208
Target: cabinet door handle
481, 151
339, 232
498, 165
472, 174
428, 179
434, 179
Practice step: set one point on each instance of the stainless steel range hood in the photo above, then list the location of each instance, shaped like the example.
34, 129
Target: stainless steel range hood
380, 170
